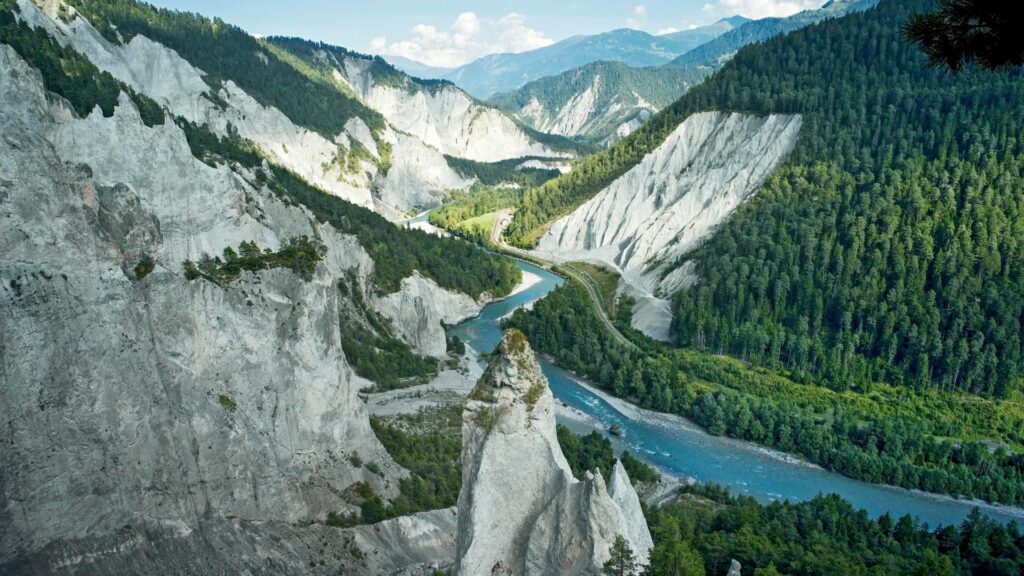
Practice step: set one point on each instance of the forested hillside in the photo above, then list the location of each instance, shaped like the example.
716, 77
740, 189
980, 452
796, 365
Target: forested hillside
889, 247
933, 441
708, 528
226, 52
543, 205
886, 253
715, 52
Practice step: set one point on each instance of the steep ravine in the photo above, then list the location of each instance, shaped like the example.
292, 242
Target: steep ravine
648, 218
152, 423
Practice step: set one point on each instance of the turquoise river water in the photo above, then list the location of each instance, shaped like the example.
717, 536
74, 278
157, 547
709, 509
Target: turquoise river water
680, 448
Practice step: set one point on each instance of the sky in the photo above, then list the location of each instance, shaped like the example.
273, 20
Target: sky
450, 33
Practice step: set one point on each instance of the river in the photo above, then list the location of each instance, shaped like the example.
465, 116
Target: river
680, 448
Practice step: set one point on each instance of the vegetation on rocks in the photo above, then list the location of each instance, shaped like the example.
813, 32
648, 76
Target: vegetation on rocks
300, 255
429, 445
226, 52
396, 252
68, 73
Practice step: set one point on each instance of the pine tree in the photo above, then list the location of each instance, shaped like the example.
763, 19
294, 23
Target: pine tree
622, 561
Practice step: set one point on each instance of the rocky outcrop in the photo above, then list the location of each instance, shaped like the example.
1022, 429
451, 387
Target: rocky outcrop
152, 423
419, 311
674, 198
521, 511
441, 115
601, 102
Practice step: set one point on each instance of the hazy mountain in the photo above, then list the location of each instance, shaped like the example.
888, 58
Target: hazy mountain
496, 73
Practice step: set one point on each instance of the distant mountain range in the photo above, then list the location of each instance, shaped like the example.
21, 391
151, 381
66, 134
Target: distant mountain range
602, 102
496, 73
717, 50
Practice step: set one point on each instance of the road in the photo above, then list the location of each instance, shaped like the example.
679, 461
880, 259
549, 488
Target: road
498, 241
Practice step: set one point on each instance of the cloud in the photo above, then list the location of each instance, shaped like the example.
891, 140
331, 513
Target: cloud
638, 17
760, 8
469, 37
664, 31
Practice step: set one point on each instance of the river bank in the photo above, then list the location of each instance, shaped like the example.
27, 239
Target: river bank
679, 448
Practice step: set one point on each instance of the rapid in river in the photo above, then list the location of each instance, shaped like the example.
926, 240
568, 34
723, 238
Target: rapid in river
680, 448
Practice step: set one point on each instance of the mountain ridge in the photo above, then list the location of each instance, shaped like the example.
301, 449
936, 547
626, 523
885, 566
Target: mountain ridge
502, 72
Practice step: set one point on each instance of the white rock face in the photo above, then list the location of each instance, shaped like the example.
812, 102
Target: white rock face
422, 300
594, 110
520, 509
416, 544
160, 73
443, 117
148, 420
663, 207
418, 177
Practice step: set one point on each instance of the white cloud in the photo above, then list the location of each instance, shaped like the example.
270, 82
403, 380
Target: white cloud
664, 31
467, 38
760, 8
638, 18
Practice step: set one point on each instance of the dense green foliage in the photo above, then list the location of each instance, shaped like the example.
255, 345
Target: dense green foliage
619, 84
461, 206
890, 246
716, 52
824, 536
374, 351
226, 52
929, 440
300, 255
68, 73
386, 360
502, 172
396, 252
621, 560
429, 445
594, 452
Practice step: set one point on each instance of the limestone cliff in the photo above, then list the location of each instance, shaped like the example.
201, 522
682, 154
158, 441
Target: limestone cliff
599, 103
663, 207
422, 125
441, 115
520, 509
151, 422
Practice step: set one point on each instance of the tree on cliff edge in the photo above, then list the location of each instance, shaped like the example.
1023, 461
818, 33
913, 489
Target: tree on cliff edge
622, 561
964, 31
